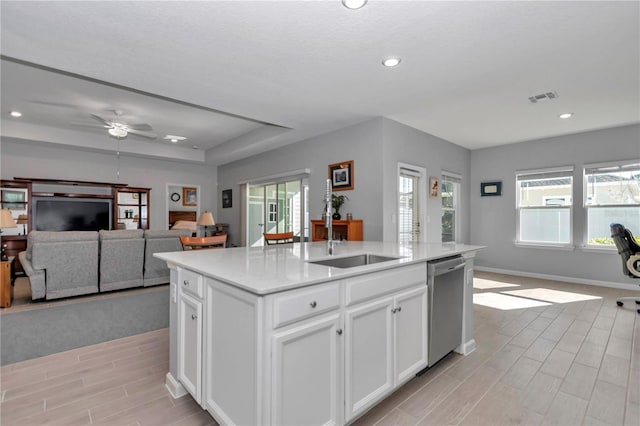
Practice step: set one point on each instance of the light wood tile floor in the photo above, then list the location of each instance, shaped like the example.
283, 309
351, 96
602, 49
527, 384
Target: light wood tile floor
573, 360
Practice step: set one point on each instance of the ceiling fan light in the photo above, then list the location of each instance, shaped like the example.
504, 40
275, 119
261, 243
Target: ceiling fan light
118, 132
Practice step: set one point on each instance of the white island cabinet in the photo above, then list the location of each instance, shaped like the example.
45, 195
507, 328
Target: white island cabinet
289, 342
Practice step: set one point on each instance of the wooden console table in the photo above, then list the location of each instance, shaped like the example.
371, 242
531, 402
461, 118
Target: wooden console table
7, 275
350, 230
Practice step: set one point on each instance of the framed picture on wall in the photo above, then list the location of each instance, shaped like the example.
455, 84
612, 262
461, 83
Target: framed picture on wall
489, 189
226, 198
341, 175
434, 187
189, 196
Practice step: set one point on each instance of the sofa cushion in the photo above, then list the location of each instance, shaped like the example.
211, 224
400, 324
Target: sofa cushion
121, 234
157, 233
55, 236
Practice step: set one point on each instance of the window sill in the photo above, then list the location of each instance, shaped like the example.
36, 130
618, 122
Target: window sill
596, 249
563, 247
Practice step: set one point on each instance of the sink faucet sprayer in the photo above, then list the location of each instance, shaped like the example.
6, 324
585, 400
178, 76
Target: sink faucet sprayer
328, 224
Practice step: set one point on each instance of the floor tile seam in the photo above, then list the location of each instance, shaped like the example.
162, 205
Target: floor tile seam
435, 377
442, 397
86, 396
499, 376
129, 409
27, 396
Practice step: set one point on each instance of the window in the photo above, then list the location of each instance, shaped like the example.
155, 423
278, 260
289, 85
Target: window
450, 188
544, 201
408, 205
612, 194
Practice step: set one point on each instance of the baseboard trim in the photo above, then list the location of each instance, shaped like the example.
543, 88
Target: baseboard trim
466, 348
572, 280
174, 387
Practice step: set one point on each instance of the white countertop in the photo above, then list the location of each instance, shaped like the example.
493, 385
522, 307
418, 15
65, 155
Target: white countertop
269, 269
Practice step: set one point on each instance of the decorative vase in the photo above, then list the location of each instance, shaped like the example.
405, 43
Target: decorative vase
336, 216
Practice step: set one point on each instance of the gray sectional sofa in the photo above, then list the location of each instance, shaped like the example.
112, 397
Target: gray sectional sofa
71, 263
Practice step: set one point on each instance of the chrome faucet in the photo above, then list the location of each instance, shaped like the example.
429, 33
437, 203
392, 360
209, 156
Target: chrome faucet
328, 223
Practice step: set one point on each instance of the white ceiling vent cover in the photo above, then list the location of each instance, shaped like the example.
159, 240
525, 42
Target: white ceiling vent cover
542, 97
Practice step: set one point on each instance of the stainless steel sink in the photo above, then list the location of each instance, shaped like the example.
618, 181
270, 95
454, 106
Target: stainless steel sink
353, 261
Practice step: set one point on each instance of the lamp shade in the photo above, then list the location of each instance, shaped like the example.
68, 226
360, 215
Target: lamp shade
23, 219
206, 219
6, 220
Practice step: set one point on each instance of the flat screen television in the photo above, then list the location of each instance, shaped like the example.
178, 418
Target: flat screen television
71, 214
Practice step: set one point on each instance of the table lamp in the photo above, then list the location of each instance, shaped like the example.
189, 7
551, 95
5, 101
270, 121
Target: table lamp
23, 219
206, 219
6, 221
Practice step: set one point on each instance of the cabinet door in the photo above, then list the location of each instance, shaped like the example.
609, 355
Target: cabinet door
306, 366
368, 355
410, 333
190, 345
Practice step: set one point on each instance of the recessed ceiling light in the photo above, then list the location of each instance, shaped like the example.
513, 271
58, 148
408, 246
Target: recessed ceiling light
16, 114
566, 115
174, 138
354, 4
391, 62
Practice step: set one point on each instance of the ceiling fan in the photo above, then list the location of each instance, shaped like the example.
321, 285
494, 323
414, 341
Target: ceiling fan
120, 129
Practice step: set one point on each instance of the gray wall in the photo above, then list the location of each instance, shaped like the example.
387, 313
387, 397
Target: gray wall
376, 146
408, 145
361, 143
493, 221
30, 159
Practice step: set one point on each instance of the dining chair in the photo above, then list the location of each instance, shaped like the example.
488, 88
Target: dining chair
197, 243
281, 238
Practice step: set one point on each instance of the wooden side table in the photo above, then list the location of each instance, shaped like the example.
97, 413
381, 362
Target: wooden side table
7, 275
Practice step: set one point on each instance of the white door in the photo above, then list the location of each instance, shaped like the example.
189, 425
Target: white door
190, 345
410, 333
306, 365
368, 355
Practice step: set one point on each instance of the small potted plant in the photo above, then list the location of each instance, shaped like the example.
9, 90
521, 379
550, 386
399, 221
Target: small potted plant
336, 202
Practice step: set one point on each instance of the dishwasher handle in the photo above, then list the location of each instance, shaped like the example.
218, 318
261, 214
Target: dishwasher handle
446, 266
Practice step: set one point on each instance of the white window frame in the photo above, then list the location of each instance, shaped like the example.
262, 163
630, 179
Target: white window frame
612, 166
457, 181
421, 173
542, 173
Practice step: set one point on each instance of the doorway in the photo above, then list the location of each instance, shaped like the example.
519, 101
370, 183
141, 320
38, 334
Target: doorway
277, 207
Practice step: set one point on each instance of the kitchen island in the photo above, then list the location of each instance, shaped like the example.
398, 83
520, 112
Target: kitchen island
290, 335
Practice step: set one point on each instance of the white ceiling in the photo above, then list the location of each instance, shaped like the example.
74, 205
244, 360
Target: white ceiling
249, 76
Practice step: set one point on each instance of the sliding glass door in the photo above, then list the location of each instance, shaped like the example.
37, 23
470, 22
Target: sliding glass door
275, 208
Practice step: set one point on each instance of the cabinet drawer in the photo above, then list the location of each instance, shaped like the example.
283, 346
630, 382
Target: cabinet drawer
190, 282
373, 285
297, 305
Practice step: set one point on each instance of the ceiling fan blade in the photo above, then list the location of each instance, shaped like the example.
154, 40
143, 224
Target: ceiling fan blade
102, 120
143, 134
92, 125
143, 127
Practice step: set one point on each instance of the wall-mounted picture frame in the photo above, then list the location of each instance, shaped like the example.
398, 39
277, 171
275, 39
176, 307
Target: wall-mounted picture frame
341, 175
226, 199
189, 196
434, 187
491, 189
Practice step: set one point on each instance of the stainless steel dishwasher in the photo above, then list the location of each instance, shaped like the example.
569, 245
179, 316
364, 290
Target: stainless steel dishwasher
445, 279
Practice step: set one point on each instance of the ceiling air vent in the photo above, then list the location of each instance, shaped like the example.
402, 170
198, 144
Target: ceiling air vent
542, 97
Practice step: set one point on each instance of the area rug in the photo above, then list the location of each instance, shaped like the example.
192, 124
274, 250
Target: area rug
35, 333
